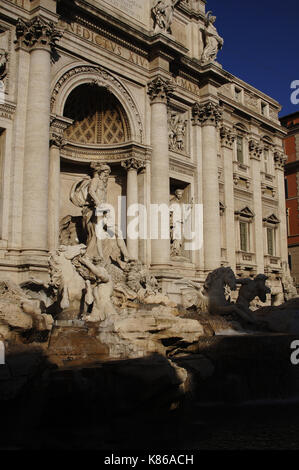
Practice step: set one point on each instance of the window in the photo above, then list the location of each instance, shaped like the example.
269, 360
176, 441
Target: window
271, 241
286, 188
244, 236
240, 149
290, 261
266, 160
288, 222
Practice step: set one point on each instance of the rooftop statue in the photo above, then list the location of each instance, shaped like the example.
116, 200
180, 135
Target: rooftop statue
211, 39
163, 15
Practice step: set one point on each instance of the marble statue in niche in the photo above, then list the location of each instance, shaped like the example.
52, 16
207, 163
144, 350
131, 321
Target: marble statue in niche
180, 217
211, 39
90, 194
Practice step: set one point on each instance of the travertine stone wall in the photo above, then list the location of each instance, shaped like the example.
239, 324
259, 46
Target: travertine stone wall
149, 74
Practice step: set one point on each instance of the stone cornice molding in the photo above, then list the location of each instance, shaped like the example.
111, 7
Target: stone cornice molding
105, 154
160, 89
228, 137
241, 130
133, 164
59, 124
206, 114
37, 33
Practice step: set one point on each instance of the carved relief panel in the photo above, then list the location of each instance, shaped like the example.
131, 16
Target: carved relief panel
178, 131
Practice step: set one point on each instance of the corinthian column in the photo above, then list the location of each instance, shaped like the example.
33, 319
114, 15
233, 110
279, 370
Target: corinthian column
227, 143
159, 90
209, 115
132, 166
39, 36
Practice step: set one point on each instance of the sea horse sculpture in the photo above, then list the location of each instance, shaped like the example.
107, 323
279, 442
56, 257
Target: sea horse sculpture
218, 304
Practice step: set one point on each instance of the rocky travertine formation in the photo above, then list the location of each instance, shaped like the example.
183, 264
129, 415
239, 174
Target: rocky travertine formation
20, 314
148, 331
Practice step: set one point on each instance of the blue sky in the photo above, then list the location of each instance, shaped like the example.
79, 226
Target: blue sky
261, 44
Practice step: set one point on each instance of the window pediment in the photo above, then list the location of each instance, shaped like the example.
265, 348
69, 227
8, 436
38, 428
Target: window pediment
246, 212
271, 219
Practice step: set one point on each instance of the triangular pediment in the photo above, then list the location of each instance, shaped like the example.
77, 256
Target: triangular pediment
271, 219
245, 212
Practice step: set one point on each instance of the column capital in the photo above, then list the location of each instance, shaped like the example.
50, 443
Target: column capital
133, 164
160, 89
228, 137
255, 149
280, 160
37, 33
57, 140
206, 114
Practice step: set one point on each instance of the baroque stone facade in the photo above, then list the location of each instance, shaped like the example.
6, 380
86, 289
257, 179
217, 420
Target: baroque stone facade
100, 82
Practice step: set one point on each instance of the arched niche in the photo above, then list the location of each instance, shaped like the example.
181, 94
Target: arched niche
75, 76
98, 117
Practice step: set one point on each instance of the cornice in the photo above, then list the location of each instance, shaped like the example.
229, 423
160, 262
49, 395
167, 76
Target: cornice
136, 34
210, 73
108, 154
249, 114
291, 131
